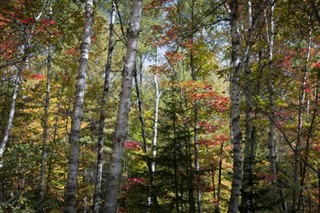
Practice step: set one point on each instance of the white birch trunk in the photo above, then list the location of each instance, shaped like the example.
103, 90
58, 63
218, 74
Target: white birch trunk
155, 125
101, 138
123, 110
45, 126
271, 139
235, 110
73, 164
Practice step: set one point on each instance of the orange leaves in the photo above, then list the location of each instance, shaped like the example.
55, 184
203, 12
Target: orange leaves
174, 57
72, 51
160, 69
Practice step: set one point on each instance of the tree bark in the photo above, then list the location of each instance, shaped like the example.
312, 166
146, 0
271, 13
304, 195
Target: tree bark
123, 110
73, 164
45, 126
271, 139
247, 185
155, 132
300, 121
105, 92
235, 110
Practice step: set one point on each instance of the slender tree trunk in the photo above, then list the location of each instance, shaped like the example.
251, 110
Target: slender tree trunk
217, 207
271, 139
152, 198
235, 110
295, 197
195, 125
155, 130
301, 105
103, 104
73, 164
12, 109
247, 187
123, 111
45, 126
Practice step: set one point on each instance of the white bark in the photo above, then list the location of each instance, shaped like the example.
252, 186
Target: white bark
73, 164
101, 138
123, 110
155, 125
272, 147
45, 126
235, 110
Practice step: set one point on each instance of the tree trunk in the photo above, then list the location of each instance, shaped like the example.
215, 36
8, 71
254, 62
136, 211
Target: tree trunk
45, 126
123, 110
152, 198
155, 131
101, 137
12, 109
235, 110
217, 207
73, 164
247, 186
271, 139
301, 105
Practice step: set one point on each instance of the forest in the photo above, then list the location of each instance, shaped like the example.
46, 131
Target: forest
158, 106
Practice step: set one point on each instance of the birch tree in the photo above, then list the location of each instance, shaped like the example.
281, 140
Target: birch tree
103, 104
235, 109
73, 163
113, 181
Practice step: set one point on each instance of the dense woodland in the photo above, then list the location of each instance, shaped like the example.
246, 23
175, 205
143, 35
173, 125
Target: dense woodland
160, 106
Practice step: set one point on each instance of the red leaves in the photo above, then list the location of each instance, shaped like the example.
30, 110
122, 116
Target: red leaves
26, 20
47, 22
136, 180
308, 90
316, 65
131, 145
265, 176
31, 75
36, 76
208, 142
203, 91
132, 181
316, 148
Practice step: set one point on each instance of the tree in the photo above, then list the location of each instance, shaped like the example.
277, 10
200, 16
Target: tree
123, 110
73, 164
105, 93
